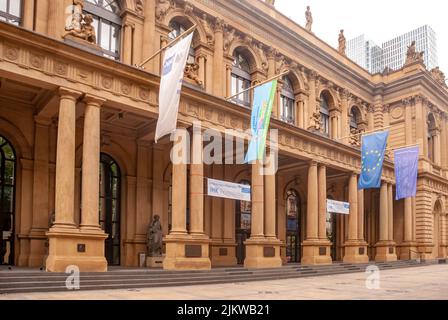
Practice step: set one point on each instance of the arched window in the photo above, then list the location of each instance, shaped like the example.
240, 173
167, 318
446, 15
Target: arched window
7, 184
325, 114
110, 193
11, 11
355, 118
287, 102
431, 137
107, 24
241, 79
176, 30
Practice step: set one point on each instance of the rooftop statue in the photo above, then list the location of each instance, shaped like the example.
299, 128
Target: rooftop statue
309, 19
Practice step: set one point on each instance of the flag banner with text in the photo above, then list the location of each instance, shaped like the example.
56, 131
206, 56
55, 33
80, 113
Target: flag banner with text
261, 117
406, 172
373, 151
171, 86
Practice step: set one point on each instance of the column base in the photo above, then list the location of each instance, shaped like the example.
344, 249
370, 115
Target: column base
38, 249
185, 252
262, 254
74, 247
426, 251
385, 252
408, 251
316, 252
356, 252
223, 254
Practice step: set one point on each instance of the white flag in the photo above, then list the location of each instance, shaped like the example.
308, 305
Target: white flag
171, 86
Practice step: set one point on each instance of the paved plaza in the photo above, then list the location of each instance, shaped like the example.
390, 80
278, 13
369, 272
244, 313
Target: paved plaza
415, 283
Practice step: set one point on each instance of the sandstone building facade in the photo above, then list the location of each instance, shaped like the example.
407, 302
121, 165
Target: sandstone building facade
81, 176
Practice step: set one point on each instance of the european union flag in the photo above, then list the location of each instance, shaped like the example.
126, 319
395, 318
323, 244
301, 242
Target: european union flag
373, 151
406, 172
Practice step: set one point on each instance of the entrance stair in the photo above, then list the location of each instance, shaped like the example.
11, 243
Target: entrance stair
16, 280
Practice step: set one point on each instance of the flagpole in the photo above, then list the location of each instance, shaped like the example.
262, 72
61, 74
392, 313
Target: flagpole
365, 133
404, 147
259, 84
168, 45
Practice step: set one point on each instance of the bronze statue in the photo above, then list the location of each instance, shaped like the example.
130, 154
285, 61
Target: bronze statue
155, 237
342, 43
309, 19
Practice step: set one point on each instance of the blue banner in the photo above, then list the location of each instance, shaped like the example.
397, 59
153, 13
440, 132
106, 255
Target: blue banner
261, 116
406, 172
373, 151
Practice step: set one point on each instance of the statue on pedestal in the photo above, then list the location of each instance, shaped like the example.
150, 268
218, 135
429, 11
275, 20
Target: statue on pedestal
80, 25
413, 56
155, 237
309, 19
342, 43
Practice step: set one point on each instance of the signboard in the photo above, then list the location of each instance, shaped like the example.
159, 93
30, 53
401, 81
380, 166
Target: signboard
227, 190
338, 207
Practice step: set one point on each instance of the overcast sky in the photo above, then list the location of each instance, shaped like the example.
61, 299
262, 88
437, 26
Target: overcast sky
379, 20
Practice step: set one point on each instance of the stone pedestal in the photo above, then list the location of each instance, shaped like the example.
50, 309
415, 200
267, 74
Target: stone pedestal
83, 44
426, 251
184, 252
385, 252
154, 262
316, 253
73, 247
262, 254
223, 254
356, 252
408, 251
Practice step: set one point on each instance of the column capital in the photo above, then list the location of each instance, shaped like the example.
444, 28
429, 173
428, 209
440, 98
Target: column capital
69, 93
92, 100
313, 163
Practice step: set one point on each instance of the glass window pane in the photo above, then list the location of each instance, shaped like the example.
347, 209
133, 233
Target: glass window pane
115, 38
14, 7
9, 172
7, 201
9, 154
105, 35
3, 5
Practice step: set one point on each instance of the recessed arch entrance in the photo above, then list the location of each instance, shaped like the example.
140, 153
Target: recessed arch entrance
437, 230
331, 231
110, 215
7, 195
293, 227
243, 221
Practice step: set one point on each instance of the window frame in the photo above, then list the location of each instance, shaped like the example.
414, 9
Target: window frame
240, 75
101, 15
288, 101
10, 18
325, 115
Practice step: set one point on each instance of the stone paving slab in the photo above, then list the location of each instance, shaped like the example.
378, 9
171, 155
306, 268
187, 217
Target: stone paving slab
425, 283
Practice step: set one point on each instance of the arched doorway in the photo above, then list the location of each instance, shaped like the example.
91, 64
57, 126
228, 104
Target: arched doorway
7, 194
110, 193
293, 227
243, 221
437, 230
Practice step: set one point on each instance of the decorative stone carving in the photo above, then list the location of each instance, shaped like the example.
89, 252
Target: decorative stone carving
342, 43
81, 24
191, 72
316, 124
271, 2
139, 7
412, 56
262, 55
188, 10
12, 53
229, 36
281, 64
309, 19
60, 68
37, 61
208, 30
154, 238
439, 76
162, 8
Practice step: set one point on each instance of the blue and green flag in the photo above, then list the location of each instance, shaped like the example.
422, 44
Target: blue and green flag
373, 152
261, 116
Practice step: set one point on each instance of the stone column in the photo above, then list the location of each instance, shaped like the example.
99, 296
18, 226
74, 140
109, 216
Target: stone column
311, 98
179, 198
150, 41
228, 80
127, 41
56, 19
197, 186
65, 160
157, 184
390, 198
385, 249
260, 251
420, 129
90, 164
202, 74
41, 208
28, 14
355, 248
312, 203
361, 217
344, 118
270, 207
437, 146
41, 7
300, 111
218, 58
322, 176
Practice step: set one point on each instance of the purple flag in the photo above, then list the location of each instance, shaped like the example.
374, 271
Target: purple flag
406, 171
